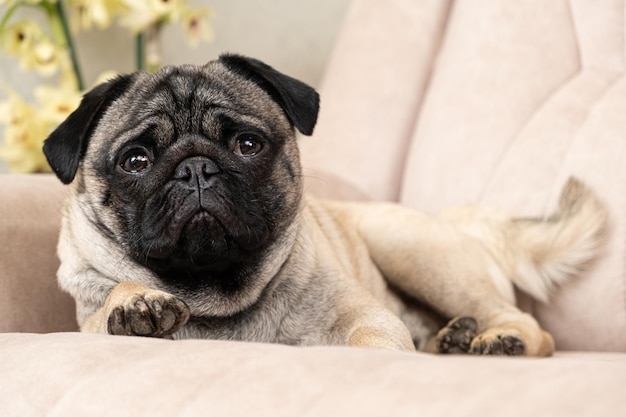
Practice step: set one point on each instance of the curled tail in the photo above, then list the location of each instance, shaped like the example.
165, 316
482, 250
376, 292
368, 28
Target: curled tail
548, 252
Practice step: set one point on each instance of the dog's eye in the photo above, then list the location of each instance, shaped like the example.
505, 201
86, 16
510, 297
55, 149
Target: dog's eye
136, 162
247, 145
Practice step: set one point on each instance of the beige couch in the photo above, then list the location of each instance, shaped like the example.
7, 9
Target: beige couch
431, 103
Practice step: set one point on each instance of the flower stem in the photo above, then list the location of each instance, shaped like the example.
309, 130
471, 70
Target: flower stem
140, 57
153, 47
60, 28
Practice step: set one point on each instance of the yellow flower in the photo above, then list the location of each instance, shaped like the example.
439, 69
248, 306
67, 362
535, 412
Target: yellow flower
167, 10
10, 3
88, 13
14, 111
19, 38
46, 57
27, 126
33, 49
23, 136
197, 24
141, 14
56, 104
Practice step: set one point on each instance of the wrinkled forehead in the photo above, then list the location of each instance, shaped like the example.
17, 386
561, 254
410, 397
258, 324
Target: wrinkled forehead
184, 92
191, 99
185, 86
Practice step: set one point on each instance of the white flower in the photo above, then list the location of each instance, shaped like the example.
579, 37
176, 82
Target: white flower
34, 50
23, 136
20, 37
88, 13
56, 103
141, 14
197, 24
46, 57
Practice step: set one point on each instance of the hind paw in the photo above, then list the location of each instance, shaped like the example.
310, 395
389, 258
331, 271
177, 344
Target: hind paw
494, 343
457, 336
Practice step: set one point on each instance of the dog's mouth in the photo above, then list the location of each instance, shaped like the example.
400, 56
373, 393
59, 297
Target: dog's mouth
199, 236
200, 243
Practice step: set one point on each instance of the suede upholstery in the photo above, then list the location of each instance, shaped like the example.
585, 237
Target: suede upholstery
72, 374
30, 213
520, 95
428, 102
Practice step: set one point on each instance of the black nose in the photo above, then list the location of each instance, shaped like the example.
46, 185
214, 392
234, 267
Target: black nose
197, 171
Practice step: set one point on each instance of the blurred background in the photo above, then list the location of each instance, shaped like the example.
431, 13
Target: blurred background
294, 36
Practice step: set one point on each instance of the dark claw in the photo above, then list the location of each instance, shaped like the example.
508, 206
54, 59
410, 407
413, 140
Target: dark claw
116, 323
158, 318
502, 345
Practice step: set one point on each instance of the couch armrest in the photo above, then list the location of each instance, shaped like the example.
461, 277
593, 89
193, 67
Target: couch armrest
30, 213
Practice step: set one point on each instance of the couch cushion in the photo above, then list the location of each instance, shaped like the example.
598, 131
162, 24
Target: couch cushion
370, 96
525, 94
486, 102
30, 214
75, 374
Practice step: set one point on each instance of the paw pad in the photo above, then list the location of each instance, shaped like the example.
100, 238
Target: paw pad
457, 336
499, 345
156, 314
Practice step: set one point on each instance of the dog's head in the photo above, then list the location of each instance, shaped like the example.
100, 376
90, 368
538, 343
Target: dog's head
192, 170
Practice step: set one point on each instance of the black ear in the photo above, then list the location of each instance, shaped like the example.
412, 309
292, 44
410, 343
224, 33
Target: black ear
299, 101
67, 144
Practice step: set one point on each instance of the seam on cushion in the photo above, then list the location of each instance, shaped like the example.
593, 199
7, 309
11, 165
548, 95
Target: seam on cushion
413, 124
570, 16
577, 36
541, 104
623, 280
514, 138
437, 46
589, 111
624, 285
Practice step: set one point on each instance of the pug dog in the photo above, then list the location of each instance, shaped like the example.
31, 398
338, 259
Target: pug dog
186, 218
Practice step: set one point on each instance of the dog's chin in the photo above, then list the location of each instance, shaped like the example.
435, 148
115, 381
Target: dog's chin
200, 236
202, 248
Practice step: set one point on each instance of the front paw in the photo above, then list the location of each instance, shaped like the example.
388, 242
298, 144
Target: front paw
151, 313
